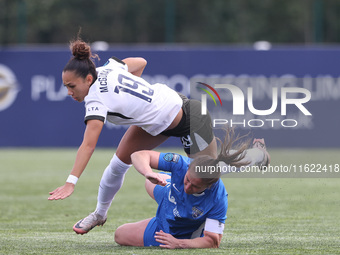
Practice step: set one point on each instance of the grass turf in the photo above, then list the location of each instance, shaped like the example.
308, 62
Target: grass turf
265, 215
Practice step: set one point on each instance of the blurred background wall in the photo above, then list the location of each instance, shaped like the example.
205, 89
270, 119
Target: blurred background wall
170, 21
271, 43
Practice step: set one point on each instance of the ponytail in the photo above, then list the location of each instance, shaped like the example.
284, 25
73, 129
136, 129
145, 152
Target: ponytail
233, 158
81, 63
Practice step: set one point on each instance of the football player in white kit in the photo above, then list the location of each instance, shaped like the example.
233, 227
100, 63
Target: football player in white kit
116, 93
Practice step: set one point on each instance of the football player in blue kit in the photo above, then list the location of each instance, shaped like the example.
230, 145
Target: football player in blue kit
188, 208
192, 203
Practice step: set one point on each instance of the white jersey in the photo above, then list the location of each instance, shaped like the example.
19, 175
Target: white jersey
125, 99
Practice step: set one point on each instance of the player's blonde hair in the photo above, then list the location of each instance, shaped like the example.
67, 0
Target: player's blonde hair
233, 159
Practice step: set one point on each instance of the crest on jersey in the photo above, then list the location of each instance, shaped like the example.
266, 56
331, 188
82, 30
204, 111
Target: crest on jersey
171, 157
196, 212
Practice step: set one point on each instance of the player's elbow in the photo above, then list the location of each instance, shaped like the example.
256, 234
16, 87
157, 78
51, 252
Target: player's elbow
135, 65
134, 156
140, 65
138, 154
143, 62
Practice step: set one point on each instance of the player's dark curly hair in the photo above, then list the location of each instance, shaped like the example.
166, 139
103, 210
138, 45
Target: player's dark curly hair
81, 63
232, 159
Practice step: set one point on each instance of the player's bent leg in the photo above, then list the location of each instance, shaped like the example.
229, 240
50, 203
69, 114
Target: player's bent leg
110, 184
136, 139
131, 234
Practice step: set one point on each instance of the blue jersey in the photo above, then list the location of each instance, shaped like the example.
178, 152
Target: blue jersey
180, 214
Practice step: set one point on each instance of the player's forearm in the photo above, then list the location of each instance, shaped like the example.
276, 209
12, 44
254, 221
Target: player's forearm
86, 149
141, 162
83, 156
209, 240
200, 242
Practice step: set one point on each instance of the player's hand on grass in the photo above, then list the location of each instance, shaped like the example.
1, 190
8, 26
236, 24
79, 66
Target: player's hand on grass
166, 240
62, 192
155, 178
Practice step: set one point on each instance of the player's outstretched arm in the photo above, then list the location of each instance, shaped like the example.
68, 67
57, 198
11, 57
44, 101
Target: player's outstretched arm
135, 65
85, 151
209, 240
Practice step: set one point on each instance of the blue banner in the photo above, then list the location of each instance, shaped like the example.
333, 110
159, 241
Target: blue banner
36, 111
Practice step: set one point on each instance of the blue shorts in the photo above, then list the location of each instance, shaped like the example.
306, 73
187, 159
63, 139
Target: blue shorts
159, 193
149, 233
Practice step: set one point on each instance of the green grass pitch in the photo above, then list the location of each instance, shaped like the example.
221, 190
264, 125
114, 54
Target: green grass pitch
265, 215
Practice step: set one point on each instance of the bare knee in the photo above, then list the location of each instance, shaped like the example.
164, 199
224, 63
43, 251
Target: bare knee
124, 237
131, 234
119, 235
